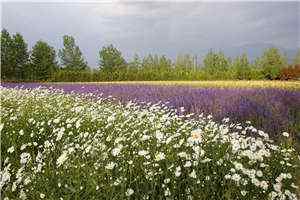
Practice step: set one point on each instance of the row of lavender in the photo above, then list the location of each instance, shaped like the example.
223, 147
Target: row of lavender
272, 110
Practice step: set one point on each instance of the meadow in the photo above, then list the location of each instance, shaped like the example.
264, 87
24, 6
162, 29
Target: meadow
273, 107
193, 109
149, 140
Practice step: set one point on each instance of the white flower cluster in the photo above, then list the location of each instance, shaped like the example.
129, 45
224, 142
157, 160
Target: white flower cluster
62, 146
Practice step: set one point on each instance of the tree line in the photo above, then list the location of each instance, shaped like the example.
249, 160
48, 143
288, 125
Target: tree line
43, 63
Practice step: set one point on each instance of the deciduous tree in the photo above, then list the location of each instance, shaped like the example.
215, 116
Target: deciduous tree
241, 67
214, 63
297, 58
271, 63
111, 59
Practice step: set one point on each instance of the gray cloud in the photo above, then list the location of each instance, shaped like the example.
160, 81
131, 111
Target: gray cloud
157, 27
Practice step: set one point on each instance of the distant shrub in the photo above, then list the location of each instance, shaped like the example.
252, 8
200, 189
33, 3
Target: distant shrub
72, 76
290, 73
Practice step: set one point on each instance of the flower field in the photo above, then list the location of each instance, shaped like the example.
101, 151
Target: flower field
79, 143
273, 110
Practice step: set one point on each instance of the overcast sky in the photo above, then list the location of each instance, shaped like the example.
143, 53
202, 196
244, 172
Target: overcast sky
168, 28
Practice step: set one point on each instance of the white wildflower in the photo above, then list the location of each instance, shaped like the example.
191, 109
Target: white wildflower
236, 177
178, 171
62, 158
22, 195
259, 173
60, 133
25, 157
159, 156
285, 134
143, 153
130, 162
277, 187
159, 136
264, 185
116, 151
56, 121
10, 149
205, 160
188, 164
23, 146
21, 132
273, 195
4, 176
167, 181
145, 137
227, 176
256, 182
129, 192
77, 124
238, 166
27, 181
183, 155
167, 192
196, 136
193, 174
110, 165
1, 126
117, 182
243, 192
47, 144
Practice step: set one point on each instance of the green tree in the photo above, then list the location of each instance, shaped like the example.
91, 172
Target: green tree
241, 67
20, 56
42, 61
216, 64
297, 58
110, 59
14, 56
271, 63
184, 61
136, 62
164, 63
148, 62
7, 59
71, 56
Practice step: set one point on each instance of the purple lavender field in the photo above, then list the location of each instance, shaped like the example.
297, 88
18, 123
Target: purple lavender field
271, 110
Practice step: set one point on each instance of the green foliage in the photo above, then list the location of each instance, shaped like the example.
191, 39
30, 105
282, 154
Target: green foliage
165, 63
43, 62
21, 56
74, 75
185, 62
14, 56
215, 64
6, 55
71, 56
113, 67
241, 68
297, 58
271, 63
136, 62
110, 59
